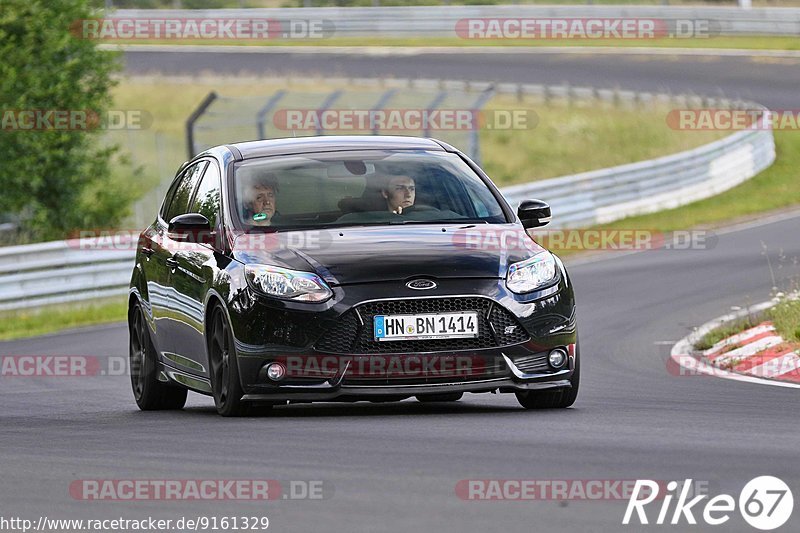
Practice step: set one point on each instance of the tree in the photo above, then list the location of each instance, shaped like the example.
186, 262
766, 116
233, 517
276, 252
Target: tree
56, 179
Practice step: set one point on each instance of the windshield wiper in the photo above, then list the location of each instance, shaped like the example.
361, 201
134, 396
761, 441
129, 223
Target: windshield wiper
442, 221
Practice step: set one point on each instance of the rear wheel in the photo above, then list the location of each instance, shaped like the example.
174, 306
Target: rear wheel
150, 393
441, 397
554, 399
225, 384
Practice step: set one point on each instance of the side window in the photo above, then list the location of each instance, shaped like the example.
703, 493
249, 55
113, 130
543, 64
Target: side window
169, 196
478, 205
207, 198
183, 192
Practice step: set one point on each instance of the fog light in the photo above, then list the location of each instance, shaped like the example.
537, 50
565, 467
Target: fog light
276, 371
557, 358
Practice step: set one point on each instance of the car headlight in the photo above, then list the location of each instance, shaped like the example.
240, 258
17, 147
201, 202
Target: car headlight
529, 275
288, 284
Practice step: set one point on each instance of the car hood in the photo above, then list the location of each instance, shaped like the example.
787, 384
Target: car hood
371, 254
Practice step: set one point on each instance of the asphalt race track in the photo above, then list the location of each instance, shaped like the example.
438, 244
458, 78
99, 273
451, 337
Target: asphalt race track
771, 81
394, 467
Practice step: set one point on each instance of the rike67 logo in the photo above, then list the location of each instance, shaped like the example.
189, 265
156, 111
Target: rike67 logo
766, 503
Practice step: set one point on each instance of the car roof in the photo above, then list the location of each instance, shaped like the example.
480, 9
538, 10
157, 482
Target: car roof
331, 143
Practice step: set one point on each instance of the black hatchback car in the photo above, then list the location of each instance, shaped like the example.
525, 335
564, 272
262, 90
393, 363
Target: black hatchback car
346, 268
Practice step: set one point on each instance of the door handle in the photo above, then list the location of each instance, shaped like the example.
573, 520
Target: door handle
172, 263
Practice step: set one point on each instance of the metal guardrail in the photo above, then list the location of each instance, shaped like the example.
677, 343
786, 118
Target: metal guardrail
440, 21
57, 272
35, 275
602, 196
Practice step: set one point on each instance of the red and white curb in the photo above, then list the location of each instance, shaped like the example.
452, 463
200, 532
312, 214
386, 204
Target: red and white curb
757, 355
758, 351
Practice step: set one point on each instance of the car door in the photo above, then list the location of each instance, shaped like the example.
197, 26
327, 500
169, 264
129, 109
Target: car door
196, 267
153, 261
169, 307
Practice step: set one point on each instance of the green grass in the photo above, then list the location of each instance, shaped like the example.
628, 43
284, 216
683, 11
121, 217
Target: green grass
786, 317
576, 138
750, 42
724, 331
49, 319
772, 189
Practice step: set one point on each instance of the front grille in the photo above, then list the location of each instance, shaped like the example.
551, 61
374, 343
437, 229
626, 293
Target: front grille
353, 333
339, 339
507, 329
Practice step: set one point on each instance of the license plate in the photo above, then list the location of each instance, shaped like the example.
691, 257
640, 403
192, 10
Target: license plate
425, 327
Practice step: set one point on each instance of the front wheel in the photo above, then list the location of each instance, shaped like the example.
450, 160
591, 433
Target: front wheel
554, 399
225, 384
150, 393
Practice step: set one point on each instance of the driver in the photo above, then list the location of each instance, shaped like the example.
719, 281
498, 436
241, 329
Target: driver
400, 193
260, 200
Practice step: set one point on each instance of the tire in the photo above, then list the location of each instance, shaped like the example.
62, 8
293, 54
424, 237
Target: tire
224, 370
441, 397
554, 399
150, 393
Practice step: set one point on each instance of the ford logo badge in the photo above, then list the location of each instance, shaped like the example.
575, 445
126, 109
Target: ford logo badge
421, 284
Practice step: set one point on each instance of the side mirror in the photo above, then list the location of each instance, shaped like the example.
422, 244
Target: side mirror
534, 213
189, 224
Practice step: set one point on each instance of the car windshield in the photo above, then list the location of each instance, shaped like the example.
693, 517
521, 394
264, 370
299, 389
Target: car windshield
361, 188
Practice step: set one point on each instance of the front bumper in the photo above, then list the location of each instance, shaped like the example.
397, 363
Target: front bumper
335, 389
265, 334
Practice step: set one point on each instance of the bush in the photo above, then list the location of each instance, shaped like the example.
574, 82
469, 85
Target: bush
55, 180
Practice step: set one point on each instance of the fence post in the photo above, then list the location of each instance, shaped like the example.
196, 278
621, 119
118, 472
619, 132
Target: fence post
438, 99
474, 134
382, 101
262, 113
196, 114
329, 101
